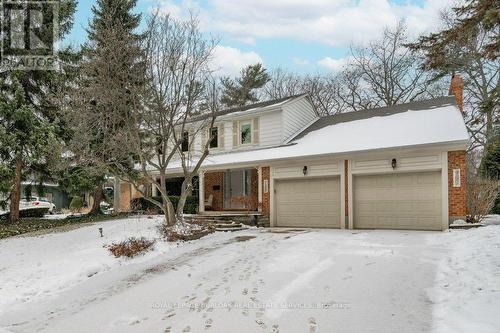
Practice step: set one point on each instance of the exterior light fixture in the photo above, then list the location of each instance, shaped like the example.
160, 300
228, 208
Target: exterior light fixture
304, 170
100, 231
394, 163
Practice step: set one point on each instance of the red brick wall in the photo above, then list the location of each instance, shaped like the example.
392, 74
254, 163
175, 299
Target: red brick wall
457, 199
266, 197
215, 179
254, 182
125, 196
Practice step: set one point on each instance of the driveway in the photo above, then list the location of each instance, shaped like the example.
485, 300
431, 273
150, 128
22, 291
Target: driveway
254, 281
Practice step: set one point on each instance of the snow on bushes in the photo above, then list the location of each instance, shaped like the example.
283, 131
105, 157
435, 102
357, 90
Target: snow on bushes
182, 231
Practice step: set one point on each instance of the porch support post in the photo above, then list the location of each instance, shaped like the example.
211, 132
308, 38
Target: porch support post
259, 186
154, 190
201, 191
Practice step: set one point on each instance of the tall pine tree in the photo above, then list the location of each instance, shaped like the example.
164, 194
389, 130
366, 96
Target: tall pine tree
31, 125
240, 91
108, 89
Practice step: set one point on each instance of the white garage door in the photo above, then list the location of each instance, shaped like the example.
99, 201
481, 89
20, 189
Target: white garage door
398, 201
308, 203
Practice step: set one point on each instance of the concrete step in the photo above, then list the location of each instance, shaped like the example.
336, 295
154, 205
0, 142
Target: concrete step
228, 225
229, 218
231, 229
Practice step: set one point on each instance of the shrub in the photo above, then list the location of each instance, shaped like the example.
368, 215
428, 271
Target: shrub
26, 213
76, 204
141, 204
481, 196
182, 231
131, 247
496, 208
33, 212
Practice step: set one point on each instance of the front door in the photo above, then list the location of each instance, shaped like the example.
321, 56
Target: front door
236, 186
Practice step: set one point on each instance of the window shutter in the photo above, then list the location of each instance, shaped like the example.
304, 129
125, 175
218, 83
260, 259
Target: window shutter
221, 136
204, 137
235, 134
255, 134
178, 135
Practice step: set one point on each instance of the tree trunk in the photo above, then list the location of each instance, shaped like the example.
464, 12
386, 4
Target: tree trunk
182, 200
98, 196
169, 210
15, 194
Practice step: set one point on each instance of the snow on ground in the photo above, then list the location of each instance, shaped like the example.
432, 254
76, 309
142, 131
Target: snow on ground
252, 281
467, 290
36, 267
61, 216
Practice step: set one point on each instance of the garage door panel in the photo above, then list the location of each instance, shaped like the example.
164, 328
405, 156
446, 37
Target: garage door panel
398, 201
308, 203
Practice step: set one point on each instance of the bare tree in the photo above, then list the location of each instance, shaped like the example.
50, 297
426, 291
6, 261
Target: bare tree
179, 107
388, 71
383, 73
481, 86
481, 196
323, 90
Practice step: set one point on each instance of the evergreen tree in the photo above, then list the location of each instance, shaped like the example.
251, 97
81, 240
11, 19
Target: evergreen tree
490, 164
31, 126
108, 89
473, 17
240, 91
469, 44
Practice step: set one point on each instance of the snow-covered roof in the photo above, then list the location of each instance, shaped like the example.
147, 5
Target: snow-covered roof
252, 108
437, 121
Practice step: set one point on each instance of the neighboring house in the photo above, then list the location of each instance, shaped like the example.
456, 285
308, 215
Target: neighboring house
53, 192
399, 167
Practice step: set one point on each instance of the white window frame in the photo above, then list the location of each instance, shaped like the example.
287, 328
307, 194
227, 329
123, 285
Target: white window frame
218, 137
240, 138
456, 178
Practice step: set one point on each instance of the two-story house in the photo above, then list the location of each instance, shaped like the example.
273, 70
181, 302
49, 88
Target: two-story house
398, 167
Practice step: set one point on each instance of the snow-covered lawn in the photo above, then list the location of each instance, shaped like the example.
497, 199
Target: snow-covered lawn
253, 281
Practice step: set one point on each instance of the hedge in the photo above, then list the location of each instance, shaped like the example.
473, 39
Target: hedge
30, 212
142, 204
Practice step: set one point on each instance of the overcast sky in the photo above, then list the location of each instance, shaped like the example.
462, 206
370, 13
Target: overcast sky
300, 35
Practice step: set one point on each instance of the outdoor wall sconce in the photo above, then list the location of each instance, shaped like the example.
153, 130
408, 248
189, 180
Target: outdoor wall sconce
100, 231
304, 171
394, 163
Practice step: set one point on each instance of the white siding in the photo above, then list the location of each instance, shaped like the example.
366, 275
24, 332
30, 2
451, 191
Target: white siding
270, 129
228, 135
296, 116
275, 127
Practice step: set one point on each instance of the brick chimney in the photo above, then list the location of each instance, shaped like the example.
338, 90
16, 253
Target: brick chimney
457, 89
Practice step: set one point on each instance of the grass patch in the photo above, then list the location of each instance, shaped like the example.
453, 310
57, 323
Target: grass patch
131, 247
28, 225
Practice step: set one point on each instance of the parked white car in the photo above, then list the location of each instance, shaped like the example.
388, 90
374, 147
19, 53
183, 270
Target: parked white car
37, 202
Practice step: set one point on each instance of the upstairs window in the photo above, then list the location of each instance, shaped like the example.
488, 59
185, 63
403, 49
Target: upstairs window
214, 137
185, 142
246, 133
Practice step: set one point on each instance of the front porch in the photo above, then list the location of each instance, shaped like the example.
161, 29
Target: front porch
232, 192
